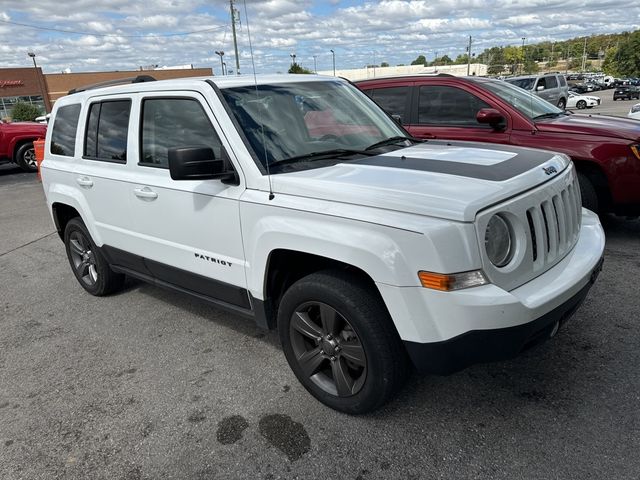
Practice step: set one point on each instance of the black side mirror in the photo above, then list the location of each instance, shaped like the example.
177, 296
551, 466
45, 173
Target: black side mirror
199, 163
397, 119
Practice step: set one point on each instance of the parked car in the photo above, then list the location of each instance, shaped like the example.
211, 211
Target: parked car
16, 143
605, 149
635, 112
626, 92
552, 87
297, 201
582, 101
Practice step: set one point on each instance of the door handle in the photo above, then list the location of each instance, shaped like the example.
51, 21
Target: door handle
84, 182
145, 193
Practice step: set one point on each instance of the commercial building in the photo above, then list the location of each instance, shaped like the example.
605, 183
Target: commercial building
42, 90
22, 85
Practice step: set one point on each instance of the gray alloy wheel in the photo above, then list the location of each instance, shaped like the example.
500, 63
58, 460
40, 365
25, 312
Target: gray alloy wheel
83, 258
562, 103
29, 158
26, 158
581, 105
328, 349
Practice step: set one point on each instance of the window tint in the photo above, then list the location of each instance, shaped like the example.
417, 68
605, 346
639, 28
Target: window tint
107, 129
63, 137
393, 100
563, 81
174, 122
552, 82
440, 105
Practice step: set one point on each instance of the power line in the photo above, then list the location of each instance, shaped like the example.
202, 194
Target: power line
75, 32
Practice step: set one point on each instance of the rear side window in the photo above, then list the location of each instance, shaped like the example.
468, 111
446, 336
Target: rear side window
173, 123
441, 105
563, 81
63, 136
393, 99
107, 130
552, 82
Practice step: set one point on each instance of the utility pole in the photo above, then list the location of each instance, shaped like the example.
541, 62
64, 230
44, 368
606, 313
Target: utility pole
584, 55
566, 67
235, 40
315, 66
334, 62
469, 56
523, 55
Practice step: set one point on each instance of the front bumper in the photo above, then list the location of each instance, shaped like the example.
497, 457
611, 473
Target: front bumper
446, 331
479, 346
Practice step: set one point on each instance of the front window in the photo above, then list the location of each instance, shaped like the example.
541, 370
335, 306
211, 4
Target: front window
525, 83
292, 122
527, 103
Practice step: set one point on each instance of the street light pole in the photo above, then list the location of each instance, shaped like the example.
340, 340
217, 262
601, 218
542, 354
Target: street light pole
334, 62
221, 54
523, 55
293, 59
469, 57
42, 90
315, 66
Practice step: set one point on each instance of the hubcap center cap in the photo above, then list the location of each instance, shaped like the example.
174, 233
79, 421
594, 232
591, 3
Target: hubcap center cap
329, 345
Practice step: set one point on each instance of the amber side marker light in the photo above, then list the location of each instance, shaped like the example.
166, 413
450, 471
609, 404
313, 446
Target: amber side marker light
452, 281
636, 151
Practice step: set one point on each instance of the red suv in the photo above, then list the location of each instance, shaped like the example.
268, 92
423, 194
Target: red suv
605, 150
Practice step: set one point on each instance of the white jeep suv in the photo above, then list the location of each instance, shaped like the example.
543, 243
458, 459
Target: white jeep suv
297, 201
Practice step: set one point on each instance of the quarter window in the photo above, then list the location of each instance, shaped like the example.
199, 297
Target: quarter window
552, 82
107, 130
63, 137
172, 123
441, 105
393, 99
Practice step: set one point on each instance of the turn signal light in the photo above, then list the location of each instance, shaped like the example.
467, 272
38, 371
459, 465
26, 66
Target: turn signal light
636, 150
454, 281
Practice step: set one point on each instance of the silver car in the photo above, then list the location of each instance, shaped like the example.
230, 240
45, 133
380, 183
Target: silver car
551, 86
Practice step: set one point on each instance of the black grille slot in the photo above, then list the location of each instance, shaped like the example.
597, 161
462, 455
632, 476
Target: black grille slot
546, 228
534, 243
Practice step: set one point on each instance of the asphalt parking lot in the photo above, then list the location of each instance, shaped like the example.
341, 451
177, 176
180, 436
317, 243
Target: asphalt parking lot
619, 108
149, 384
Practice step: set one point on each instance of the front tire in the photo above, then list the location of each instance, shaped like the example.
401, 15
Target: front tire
588, 192
88, 264
340, 342
581, 105
26, 158
562, 103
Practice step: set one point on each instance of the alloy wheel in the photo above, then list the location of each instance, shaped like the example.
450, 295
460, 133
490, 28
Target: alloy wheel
84, 260
29, 158
327, 349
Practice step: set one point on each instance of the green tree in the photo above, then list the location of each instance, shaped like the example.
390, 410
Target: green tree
625, 61
421, 60
461, 59
25, 112
295, 68
384, 64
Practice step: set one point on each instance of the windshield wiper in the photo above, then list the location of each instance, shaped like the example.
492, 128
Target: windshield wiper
391, 141
548, 115
320, 155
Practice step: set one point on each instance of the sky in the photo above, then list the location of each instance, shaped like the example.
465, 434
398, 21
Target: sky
99, 35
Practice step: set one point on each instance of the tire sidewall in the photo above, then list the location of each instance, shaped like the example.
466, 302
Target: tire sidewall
377, 376
20, 157
76, 225
588, 193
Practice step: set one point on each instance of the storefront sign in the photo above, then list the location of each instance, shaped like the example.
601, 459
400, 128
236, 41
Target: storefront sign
11, 83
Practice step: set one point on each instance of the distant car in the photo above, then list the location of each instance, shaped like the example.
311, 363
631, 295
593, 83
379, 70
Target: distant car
551, 87
43, 118
634, 112
626, 92
16, 143
582, 101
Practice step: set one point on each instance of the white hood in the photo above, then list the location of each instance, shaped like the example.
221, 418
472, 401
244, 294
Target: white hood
452, 180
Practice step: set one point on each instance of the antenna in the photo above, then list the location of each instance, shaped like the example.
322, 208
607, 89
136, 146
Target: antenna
255, 82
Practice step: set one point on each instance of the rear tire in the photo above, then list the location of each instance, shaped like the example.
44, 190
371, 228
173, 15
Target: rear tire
340, 342
562, 103
26, 158
88, 264
589, 195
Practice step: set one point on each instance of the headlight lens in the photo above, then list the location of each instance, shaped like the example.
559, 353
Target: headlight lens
498, 241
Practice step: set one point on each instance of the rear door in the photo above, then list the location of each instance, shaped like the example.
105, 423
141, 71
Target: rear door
395, 99
449, 112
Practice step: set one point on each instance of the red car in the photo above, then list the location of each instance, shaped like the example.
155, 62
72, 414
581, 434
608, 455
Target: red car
16, 143
605, 150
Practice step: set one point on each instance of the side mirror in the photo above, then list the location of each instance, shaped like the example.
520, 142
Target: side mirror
397, 119
490, 116
539, 88
199, 163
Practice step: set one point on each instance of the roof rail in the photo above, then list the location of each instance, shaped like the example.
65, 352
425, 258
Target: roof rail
108, 83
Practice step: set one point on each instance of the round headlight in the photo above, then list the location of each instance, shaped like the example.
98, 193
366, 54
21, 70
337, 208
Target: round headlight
498, 242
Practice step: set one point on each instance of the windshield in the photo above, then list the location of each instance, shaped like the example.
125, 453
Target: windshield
527, 103
289, 120
526, 83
